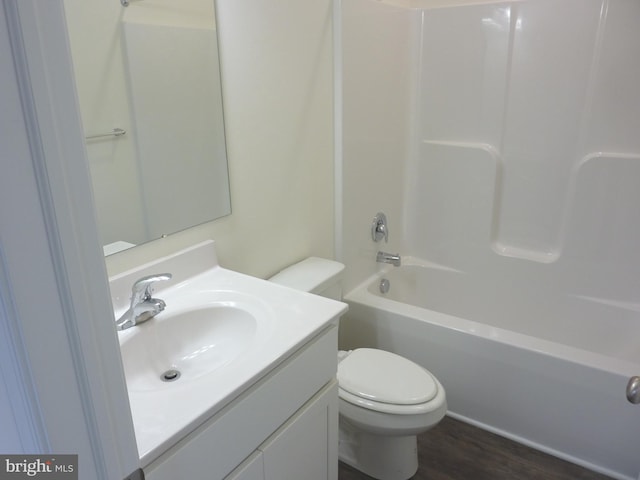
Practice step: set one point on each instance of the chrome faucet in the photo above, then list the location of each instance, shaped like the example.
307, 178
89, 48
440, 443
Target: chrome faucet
143, 306
393, 259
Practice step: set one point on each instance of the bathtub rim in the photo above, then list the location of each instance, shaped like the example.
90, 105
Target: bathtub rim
598, 361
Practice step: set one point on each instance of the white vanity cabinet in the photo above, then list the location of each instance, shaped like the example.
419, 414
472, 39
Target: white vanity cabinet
283, 427
303, 448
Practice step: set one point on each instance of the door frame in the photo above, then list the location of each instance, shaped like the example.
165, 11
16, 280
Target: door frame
59, 353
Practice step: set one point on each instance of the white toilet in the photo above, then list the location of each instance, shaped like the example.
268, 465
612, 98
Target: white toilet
385, 400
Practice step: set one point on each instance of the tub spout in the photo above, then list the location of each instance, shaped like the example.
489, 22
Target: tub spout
393, 259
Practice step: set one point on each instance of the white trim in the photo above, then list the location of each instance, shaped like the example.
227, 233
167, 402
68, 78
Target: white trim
56, 275
28, 433
338, 184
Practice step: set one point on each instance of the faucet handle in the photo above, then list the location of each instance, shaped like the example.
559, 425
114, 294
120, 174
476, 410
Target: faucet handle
141, 289
379, 228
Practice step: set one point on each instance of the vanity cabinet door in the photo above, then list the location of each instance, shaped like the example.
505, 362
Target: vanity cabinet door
251, 469
306, 446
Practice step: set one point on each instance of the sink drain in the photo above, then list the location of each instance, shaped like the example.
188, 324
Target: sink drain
170, 376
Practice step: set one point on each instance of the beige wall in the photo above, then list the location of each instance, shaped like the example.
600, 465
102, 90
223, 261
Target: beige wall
377, 100
277, 69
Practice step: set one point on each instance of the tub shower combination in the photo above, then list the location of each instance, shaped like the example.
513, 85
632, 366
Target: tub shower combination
514, 204
514, 370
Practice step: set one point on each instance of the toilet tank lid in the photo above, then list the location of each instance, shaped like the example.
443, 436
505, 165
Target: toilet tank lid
312, 274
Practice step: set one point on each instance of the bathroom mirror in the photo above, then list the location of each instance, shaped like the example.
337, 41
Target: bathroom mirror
148, 84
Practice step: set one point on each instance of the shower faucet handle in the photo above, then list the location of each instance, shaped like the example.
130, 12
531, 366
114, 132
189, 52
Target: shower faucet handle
379, 228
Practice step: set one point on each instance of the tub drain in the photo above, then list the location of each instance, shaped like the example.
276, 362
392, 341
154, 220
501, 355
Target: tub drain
170, 376
385, 285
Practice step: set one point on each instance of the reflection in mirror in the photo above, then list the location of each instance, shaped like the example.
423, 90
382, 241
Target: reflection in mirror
148, 85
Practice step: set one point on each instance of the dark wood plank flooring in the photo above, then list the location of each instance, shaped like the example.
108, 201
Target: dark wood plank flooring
454, 450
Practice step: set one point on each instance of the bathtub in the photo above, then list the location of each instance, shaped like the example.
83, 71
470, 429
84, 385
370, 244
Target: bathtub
542, 371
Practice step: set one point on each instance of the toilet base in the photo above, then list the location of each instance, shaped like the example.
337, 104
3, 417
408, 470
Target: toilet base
379, 456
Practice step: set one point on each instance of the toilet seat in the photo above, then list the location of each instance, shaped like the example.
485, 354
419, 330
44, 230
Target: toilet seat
385, 382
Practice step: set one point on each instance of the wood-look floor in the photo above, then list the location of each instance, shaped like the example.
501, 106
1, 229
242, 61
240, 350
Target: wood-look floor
454, 450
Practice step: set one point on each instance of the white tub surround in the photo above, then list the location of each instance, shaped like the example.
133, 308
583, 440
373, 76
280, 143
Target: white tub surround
495, 135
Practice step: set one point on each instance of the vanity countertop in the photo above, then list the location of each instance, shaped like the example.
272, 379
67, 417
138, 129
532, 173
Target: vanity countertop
163, 413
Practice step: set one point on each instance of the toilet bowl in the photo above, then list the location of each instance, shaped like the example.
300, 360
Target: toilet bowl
385, 400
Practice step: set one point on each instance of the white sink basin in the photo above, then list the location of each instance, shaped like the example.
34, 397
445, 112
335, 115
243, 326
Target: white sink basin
189, 339
221, 330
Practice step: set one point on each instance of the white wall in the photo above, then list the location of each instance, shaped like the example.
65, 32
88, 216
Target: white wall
278, 96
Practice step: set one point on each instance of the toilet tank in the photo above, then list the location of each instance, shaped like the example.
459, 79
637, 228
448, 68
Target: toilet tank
315, 275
